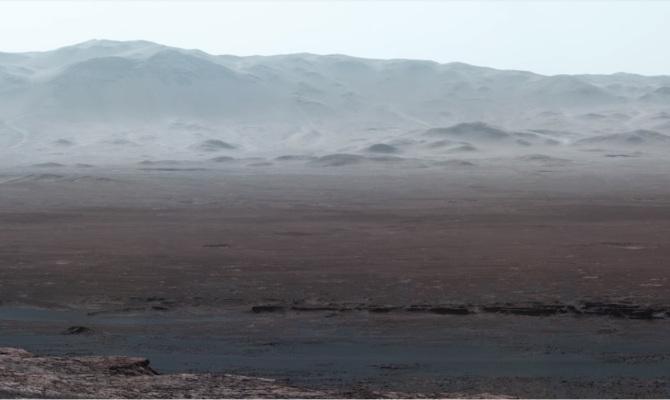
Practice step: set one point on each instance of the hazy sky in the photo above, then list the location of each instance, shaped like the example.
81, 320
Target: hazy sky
543, 36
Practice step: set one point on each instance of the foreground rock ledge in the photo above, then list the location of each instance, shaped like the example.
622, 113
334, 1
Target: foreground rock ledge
23, 374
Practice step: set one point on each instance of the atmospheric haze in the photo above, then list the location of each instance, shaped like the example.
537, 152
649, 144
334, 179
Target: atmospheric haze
381, 227
113, 102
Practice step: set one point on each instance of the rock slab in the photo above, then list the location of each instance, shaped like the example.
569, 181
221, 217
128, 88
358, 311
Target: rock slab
24, 375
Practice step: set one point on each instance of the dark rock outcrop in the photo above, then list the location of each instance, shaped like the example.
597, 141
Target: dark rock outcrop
533, 309
78, 330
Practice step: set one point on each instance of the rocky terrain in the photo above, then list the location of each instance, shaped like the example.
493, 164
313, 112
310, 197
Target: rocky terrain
24, 375
330, 226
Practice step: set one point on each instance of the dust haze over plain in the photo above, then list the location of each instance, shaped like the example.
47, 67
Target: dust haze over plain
383, 199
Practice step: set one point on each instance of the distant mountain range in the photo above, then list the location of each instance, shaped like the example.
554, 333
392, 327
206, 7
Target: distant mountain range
148, 98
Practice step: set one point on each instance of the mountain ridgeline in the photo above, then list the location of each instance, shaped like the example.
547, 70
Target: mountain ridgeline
141, 99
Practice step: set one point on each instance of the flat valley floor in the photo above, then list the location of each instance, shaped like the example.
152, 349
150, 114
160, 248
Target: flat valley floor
515, 280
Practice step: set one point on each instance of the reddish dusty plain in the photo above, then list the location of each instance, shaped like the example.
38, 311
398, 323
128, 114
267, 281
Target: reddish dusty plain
332, 258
